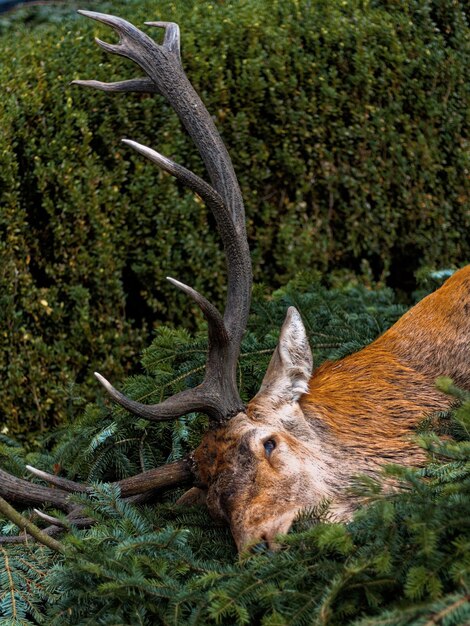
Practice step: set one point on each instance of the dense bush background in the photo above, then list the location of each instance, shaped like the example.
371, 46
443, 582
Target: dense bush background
346, 124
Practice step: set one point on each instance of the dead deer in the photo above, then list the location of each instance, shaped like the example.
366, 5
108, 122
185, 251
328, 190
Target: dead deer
306, 434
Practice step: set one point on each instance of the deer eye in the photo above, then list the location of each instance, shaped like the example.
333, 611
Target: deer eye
269, 446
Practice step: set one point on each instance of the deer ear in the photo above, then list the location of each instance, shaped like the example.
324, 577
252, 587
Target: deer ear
290, 368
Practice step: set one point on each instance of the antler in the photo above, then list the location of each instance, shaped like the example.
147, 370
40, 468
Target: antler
138, 489
218, 394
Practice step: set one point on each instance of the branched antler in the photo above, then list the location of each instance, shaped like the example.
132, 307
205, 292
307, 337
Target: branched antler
140, 488
169, 475
218, 395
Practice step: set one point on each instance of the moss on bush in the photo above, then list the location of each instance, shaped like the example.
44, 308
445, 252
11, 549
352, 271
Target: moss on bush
346, 123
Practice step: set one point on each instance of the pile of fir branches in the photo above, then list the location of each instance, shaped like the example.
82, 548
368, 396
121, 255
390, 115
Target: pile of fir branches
404, 559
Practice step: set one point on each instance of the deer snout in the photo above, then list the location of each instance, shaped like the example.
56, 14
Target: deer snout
248, 536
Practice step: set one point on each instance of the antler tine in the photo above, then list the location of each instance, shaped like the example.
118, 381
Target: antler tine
168, 475
143, 85
172, 36
217, 330
218, 394
186, 401
210, 196
63, 483
21, 491
123, 28
52, 520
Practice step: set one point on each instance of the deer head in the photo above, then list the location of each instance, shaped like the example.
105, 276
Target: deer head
266, 464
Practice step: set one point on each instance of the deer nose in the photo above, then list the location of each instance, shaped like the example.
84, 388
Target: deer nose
262, 545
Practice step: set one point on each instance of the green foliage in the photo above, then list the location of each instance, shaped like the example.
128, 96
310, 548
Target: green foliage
31, 14
22, 593
404, 560
346, 122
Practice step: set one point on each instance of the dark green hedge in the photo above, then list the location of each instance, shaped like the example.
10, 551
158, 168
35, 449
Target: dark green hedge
346, 123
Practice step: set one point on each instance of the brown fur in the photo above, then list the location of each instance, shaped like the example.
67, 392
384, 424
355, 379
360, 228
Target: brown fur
359, 413
375, 397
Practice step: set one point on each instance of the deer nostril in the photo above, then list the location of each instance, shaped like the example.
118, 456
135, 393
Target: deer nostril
261, 546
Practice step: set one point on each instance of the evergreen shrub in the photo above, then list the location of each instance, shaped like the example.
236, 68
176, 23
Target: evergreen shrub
403, 561
346, 122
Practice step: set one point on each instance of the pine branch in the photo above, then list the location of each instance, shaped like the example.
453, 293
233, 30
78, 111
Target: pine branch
26, 525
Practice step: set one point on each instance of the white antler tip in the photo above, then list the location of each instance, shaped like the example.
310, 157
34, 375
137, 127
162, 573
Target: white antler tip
180, 285
86, 13
36, 472
103, 381
151, 154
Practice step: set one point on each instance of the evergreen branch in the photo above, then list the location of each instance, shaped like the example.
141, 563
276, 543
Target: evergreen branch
10, 581
172, 383
24, 524
178, 379
438, 617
